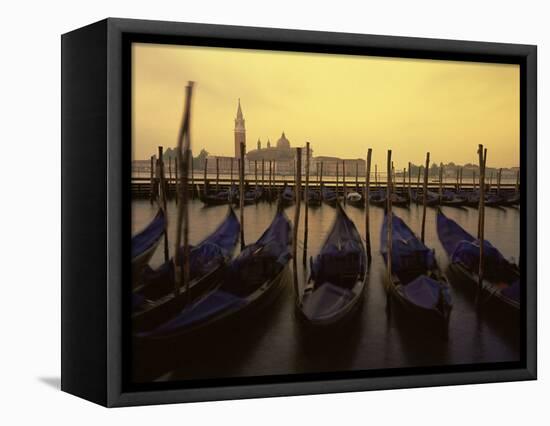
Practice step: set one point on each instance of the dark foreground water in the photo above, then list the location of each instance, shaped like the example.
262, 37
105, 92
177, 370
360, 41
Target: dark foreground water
276, 342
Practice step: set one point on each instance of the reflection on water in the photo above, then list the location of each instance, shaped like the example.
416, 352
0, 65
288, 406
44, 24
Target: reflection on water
276, 342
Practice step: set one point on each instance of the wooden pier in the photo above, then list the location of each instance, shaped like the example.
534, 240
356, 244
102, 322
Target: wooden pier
141, 186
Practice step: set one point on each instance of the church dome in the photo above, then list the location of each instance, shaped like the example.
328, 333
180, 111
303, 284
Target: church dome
283, 142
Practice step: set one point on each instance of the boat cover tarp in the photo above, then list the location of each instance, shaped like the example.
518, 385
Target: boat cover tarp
210, 252
328, 194
287, 194
150, 235
204, 308
274, 242
425, 292
313, 195
513, 291
353, 196
408, 252
342, 253
326, 300
464, 248
451, 233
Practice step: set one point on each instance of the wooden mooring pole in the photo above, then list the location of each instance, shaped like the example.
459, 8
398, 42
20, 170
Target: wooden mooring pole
192, 190
337, 177
482, 153
366, 196
169, 175
297, 217
162, 192
306, 201
344, 179
177, 182
357, 176
389, 219
263, 174
184, 153
231, 174
425, 196
241, 191
217, 175
410, 193
152, 174
440, 184
205, 177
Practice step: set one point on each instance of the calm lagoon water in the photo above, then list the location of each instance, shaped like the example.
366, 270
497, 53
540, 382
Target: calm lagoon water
277, 343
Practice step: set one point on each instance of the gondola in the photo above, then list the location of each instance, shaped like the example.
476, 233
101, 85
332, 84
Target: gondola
494, 200
501, 277
225, 196
215, 199
252, 280
338, 275
251, 196
416, 283
145, 243
329, 196
471, 198
287, 196
400, 200
432, 199
511, 200
313, 198
452, 199
378, 198
355, 199
154, 300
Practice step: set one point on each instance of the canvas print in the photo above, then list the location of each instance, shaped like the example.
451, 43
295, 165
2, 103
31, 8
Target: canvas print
300, 213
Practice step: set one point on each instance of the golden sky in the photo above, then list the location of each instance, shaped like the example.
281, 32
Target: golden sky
341, 104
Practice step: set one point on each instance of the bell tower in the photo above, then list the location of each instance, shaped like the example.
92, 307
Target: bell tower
240, 131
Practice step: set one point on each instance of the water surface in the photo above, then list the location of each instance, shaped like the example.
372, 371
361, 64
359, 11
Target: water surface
277, 342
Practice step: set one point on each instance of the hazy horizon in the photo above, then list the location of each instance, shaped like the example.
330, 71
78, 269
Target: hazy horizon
341, 104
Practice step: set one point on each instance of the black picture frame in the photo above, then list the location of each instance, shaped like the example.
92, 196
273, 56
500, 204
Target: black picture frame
95, 208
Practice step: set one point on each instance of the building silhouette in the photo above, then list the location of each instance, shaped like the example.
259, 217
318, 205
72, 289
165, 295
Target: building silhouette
240, 131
